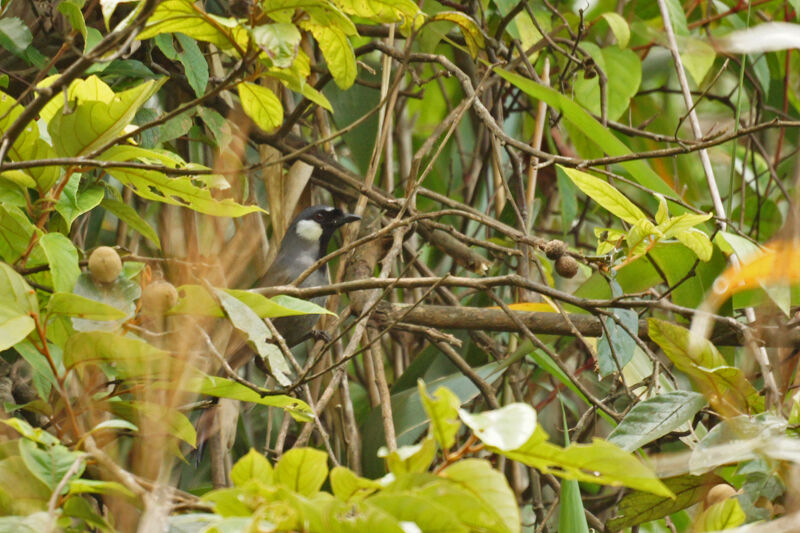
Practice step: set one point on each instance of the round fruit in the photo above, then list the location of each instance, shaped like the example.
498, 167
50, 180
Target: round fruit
555, 249
566, 266
104, 264
719, 493
158, 297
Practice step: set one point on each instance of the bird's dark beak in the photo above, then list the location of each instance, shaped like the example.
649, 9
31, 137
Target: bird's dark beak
347, 218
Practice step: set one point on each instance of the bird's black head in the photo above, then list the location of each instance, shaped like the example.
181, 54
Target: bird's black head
317, 223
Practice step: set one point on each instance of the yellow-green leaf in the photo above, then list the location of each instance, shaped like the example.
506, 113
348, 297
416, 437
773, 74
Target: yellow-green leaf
605, 195
619, 27
469, 28
696, 241
261, 105
338, 52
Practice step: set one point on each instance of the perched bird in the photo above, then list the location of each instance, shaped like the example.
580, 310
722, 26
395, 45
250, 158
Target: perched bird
305, 242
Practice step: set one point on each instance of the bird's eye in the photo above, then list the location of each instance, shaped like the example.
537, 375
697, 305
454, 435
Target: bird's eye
318, 217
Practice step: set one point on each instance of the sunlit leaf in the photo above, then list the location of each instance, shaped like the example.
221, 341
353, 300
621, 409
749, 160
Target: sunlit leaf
619, 27
261, 104
727, 389
253, 465
599, 462
74, 305
469, 29
225, 388
442, 409
302, 470
489, 485
506, 428
607, 196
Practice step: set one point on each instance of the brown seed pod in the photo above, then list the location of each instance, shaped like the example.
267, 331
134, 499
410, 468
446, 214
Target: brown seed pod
566, 266
158, 296
555, 249
104, 264
719, 493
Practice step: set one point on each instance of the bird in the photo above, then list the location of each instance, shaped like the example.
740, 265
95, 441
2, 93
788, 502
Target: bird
305, 242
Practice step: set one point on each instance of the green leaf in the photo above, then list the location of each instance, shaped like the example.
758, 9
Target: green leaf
382, 11
623, 68
15, 35
67, 303
16, 292
126, 353
348, 486
16, 231
183, 16
639, 170
278, 306
279, 41
73, 202
15, 325
156, 418
248, 322
97, 486
51, 464
22, 493
73, 14
604, 194
698, 57
469, 29
726, 514
29, 432
302, 470
410, 459
443, 412
619, 27
506, 428
599, 462
337, 50
615, 336
225, 388
459, 499
425, 513
261, 105
129, 215
194, 64
63, 258
489, 485
92, 123
669, 227
639, 507
728, 390
655, 417
571, 514
696, 241
252, 466
121, 295
181, 191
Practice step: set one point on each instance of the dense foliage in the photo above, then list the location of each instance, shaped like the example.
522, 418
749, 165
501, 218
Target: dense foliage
570, 303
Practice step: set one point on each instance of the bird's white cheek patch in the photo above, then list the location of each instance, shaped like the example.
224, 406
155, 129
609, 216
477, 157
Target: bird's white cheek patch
309, 230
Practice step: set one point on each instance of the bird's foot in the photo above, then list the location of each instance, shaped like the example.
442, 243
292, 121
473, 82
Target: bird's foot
320, 335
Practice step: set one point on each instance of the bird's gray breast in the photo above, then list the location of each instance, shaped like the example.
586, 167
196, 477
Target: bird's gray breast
295, 329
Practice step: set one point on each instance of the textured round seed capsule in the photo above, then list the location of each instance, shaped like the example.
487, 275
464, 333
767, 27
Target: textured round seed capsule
719, 493
158, 296
566, 266
555, 249
104, 264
